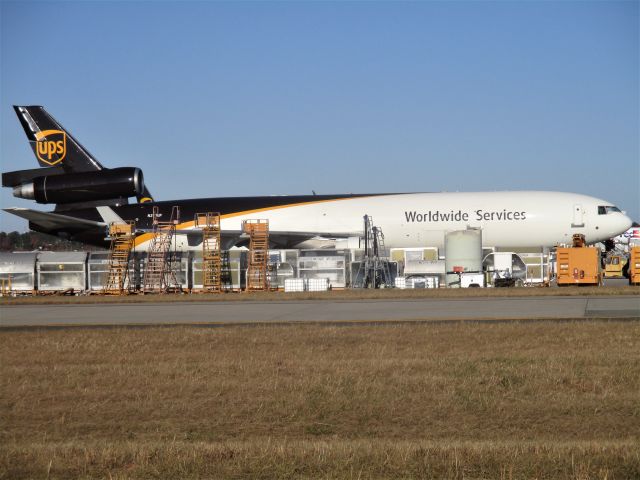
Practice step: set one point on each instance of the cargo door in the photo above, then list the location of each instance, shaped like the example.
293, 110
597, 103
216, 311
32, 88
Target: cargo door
578, 216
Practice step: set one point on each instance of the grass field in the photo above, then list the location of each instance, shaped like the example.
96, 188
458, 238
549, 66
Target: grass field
302, 401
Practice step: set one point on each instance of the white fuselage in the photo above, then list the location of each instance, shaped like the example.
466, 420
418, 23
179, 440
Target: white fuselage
507, 219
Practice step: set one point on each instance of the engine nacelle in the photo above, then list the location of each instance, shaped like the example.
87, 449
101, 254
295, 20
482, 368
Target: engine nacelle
104, 184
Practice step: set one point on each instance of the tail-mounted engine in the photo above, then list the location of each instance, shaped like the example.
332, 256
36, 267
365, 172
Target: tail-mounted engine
62, 188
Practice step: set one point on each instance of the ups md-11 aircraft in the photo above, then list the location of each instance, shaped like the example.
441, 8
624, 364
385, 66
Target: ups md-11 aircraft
88, 197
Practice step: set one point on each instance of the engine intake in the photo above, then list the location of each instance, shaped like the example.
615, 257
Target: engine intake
104, 184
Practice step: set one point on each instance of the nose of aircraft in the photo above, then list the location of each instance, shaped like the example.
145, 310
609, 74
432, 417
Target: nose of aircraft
625, 223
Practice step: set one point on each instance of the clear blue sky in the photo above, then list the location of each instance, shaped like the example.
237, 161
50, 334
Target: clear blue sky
243, 98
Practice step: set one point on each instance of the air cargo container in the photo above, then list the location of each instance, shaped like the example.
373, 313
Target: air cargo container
62, 272
325, 263
18, 272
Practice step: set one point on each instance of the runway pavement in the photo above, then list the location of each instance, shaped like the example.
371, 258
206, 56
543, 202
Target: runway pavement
627, 307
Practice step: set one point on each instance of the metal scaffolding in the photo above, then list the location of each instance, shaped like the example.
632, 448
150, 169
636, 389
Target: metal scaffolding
211, 256
374, 270
158, 274
122, 241
258, 231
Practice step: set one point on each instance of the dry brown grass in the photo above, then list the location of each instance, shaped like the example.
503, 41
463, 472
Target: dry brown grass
303, 401
336, 295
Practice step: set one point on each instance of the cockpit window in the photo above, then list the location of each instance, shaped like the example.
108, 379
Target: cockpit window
604, 209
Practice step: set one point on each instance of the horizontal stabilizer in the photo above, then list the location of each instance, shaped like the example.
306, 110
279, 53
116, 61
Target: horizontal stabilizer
54, 221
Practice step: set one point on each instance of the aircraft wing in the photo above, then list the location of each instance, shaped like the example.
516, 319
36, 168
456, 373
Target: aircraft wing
284, 239
281, 238
48, 221
54, 221
310, 235
272, 233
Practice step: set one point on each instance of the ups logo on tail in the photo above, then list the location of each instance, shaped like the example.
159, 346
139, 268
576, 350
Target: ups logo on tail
51, 146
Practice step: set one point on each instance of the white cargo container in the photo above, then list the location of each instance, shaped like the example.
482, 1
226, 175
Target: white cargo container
179, 265
317, 284
505, 265
283, 264
98, 268
325, 263
18, 271
538, 268
294, 285
62, 271
423, 282
471, 280
233, 276
426, 268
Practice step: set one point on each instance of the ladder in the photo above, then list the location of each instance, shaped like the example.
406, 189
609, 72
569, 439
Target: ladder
211, 256
382, 257
258, 231
374, 269
158, 272
226, 278
122, 241
5, 286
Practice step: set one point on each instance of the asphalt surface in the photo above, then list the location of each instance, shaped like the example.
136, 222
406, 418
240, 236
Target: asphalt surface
561, 308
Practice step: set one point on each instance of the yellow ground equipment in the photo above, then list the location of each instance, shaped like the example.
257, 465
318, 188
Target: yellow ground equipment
5, 286
158, 273
122, 237
613, 266
578, 265
211, 256
634, 265
258, 231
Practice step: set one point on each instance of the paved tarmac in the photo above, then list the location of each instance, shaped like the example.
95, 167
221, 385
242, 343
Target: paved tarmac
561, 308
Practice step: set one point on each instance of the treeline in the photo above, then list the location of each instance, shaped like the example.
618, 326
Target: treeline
15, 242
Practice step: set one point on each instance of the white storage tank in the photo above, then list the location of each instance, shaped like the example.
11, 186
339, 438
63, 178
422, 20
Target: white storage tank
463, 250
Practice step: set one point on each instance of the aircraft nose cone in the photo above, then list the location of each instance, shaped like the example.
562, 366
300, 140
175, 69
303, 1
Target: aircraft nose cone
625, 223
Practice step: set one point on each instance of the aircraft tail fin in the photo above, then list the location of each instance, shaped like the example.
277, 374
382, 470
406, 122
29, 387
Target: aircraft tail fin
54, 146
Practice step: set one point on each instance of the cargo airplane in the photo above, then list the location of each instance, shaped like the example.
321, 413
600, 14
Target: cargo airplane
88, 197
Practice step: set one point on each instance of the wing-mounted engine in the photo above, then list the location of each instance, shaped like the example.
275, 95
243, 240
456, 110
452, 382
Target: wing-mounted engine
65, 188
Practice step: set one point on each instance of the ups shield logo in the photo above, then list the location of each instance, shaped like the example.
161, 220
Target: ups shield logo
51, 146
